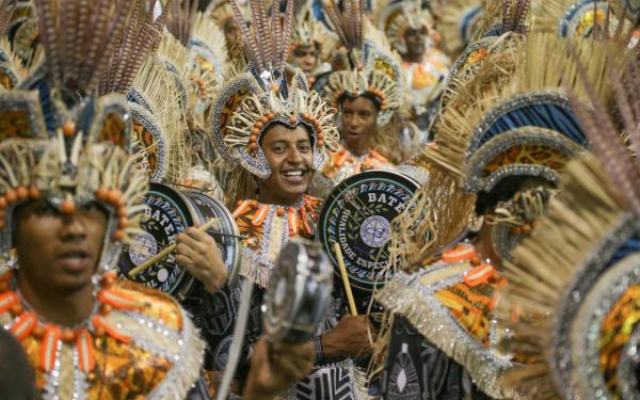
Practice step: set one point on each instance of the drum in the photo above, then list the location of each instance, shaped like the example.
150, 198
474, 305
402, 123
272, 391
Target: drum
170, 212
300, 290
358, 214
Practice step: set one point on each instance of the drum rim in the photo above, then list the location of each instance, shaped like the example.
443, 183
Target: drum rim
233, 275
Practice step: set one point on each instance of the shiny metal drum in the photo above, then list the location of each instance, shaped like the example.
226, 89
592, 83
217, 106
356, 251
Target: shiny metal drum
358, 214
170, 212
300, 290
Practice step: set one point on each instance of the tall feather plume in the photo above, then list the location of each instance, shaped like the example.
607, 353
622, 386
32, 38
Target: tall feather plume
78, 37
249, 40
278, 44
180, 19
268, 39
257, 22
6, 12
286, 34
140, 38
607, 143
331, 10
514, 15
348, 22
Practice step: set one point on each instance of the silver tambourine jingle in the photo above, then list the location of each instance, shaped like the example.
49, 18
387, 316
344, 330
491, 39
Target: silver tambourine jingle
300, 289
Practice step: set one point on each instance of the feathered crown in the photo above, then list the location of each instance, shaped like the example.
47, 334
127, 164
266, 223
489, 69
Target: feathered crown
580, 337
261, 96
396, 18
586, 18
60, 140
365, 67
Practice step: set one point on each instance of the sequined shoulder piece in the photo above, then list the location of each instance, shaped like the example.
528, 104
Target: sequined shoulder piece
449, 302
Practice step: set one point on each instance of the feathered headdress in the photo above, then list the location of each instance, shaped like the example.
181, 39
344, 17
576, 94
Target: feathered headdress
523, 126
395, 18
253, 101
308, 31
579, 332
60, 140
366, 66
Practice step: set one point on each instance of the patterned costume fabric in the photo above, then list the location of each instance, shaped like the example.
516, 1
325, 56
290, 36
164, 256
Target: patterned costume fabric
145, 346
416, 369
267, 227
343, 164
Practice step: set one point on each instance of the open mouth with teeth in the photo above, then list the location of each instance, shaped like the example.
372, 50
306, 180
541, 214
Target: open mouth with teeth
295, 175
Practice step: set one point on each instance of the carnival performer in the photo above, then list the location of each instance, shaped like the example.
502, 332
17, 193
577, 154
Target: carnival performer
311, 45
425, 68
365, 86
489, 150
581, 336
79, 197
279, 133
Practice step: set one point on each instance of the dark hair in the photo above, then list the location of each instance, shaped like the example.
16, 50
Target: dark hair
506, 189
367, 95
274, 123
17, 380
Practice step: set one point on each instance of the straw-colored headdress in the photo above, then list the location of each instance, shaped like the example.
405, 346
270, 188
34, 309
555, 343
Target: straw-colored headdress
366, 66
579, 332
256, 99
63, 142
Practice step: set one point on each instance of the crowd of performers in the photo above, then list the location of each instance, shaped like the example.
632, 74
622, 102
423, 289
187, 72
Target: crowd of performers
327, 199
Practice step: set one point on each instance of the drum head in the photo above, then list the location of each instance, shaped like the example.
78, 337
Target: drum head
169, 214
225, 231
358, 214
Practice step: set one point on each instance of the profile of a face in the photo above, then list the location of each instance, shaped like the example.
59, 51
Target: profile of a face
58, 252
305, 58
289, 153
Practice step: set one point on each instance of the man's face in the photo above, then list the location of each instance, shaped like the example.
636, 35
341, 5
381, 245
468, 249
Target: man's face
358, 119
58, 252
305, 58
415, 40
232, 34
290, 156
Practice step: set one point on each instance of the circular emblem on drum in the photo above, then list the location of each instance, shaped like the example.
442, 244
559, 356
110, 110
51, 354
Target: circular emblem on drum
358, 215
375, 231
168, 216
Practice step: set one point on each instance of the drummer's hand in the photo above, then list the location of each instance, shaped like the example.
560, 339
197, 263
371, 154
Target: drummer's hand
199, 254
277, 366
349, 338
